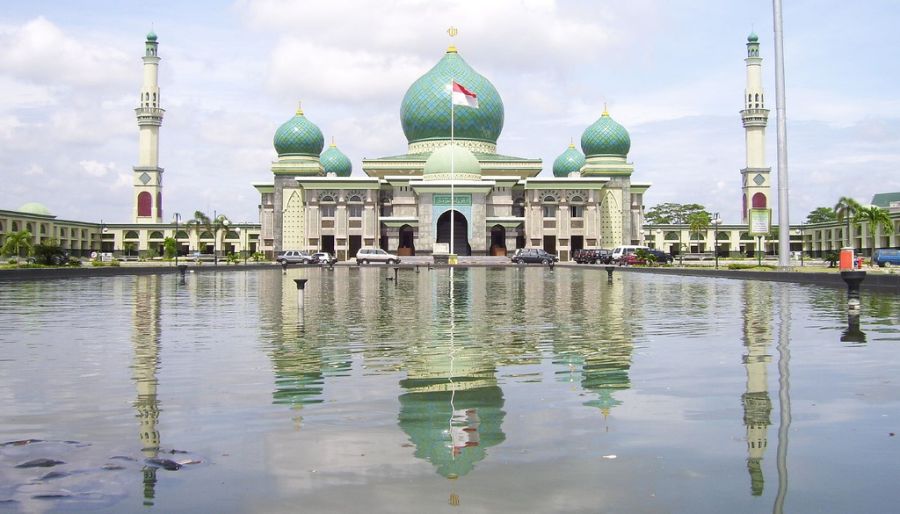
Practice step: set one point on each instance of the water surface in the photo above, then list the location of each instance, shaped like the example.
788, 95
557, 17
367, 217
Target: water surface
494, 390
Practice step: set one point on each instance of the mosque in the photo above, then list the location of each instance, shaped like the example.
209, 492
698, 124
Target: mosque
450, 183
451, 180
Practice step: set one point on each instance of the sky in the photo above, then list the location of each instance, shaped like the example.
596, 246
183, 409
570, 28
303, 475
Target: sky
671, 72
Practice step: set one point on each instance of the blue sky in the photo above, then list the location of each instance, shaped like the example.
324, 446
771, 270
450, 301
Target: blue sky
671, 72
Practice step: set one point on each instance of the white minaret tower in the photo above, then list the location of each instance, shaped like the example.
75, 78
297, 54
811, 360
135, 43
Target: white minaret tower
148, 174
755, 176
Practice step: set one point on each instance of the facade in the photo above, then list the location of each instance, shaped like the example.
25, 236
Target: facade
451, 191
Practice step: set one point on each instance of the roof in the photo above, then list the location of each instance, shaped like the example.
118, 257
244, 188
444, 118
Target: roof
884, 200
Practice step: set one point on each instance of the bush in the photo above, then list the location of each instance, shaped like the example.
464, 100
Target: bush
98, 264
12, 261
75, 263
115, 263
738, 266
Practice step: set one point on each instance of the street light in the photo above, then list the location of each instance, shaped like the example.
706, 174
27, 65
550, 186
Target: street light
716, 222
177, 219
218, 224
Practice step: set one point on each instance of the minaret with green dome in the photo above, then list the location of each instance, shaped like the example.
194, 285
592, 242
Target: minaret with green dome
756, 187
148, 174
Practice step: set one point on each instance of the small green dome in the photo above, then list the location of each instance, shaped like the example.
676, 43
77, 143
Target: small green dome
752, 38
35, 208
334, 161
425, 110
568, 162
605, 137
299, 136
151, 36
465, 164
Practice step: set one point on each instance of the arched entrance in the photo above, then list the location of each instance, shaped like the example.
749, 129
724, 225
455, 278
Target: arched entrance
407, 238
498, 241
460, 232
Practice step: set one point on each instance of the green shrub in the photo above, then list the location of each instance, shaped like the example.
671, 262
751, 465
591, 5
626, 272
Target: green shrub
115, 263
12, 261
97, 263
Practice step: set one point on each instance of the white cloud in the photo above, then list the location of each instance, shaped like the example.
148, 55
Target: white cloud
40, 51
96, 168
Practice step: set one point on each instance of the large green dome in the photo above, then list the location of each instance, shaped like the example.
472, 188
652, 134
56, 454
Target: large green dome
568, 162
605, 137
465, 164
334, 161
425, 111
299, 136
35, 208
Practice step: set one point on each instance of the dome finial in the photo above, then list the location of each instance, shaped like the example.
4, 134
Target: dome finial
299, 108
452, 31
605, 110
332, 142
571, 142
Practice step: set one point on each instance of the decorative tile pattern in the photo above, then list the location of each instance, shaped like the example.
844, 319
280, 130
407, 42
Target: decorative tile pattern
569, 161
144, 178
425, 111
334, 161
759, 179
299, 136
605, 137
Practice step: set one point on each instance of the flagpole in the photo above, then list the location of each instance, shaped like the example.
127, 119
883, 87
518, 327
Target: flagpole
452, 194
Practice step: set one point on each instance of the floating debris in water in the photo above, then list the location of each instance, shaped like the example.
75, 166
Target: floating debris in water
169, 465
610, 456
40, 463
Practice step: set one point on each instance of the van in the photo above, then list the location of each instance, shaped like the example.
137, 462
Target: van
621, 251
886, 257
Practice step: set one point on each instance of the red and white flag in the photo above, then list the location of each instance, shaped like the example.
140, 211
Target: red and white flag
462, 96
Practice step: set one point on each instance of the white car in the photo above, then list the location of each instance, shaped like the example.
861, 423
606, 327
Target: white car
367, 255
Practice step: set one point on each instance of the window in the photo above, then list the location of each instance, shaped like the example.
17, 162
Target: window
549, 211
144, 200
576, 211
355, 211
327, 211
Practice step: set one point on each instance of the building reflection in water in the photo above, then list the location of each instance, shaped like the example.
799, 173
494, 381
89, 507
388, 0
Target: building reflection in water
145, 339
452, 407
757, 319
594, 343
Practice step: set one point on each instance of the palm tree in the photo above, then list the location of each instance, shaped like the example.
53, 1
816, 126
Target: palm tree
698, 222
846, 208
199, 223
875, 217
17, 241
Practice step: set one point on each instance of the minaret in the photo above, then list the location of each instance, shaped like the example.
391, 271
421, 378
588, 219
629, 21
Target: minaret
148, 174
755, 176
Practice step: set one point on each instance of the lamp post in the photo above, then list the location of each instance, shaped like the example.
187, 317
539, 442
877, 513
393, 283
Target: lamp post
177, 219
802, 241
716, 221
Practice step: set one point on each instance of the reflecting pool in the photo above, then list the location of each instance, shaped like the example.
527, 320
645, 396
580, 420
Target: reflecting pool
489, 390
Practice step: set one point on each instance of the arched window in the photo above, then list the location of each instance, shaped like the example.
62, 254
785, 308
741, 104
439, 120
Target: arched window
131, 234
15, 226
759, 201
145, 201
156, 234
159, 212
354, 198
326, 207
576, 207
355, 208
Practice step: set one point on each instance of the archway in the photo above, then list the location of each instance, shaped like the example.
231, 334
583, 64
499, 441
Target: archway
497, 245
407, 244
460, 232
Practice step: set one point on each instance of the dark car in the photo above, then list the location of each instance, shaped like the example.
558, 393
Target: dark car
533, 255
661, 256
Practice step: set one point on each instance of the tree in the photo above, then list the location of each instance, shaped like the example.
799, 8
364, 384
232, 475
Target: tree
821, 215
698, 222
198, 223
215, 225
128, 246
169, 247
16, 242
846, 208
875, 217
672, 213
49, 252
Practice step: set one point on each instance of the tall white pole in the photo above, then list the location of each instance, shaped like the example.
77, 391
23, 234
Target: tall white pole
784, 228
452, 178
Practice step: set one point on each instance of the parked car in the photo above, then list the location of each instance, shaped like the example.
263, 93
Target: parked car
373, 255
294, 257
621, 251
631, 259
323, 258
886, 257
661, 256
533, 255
